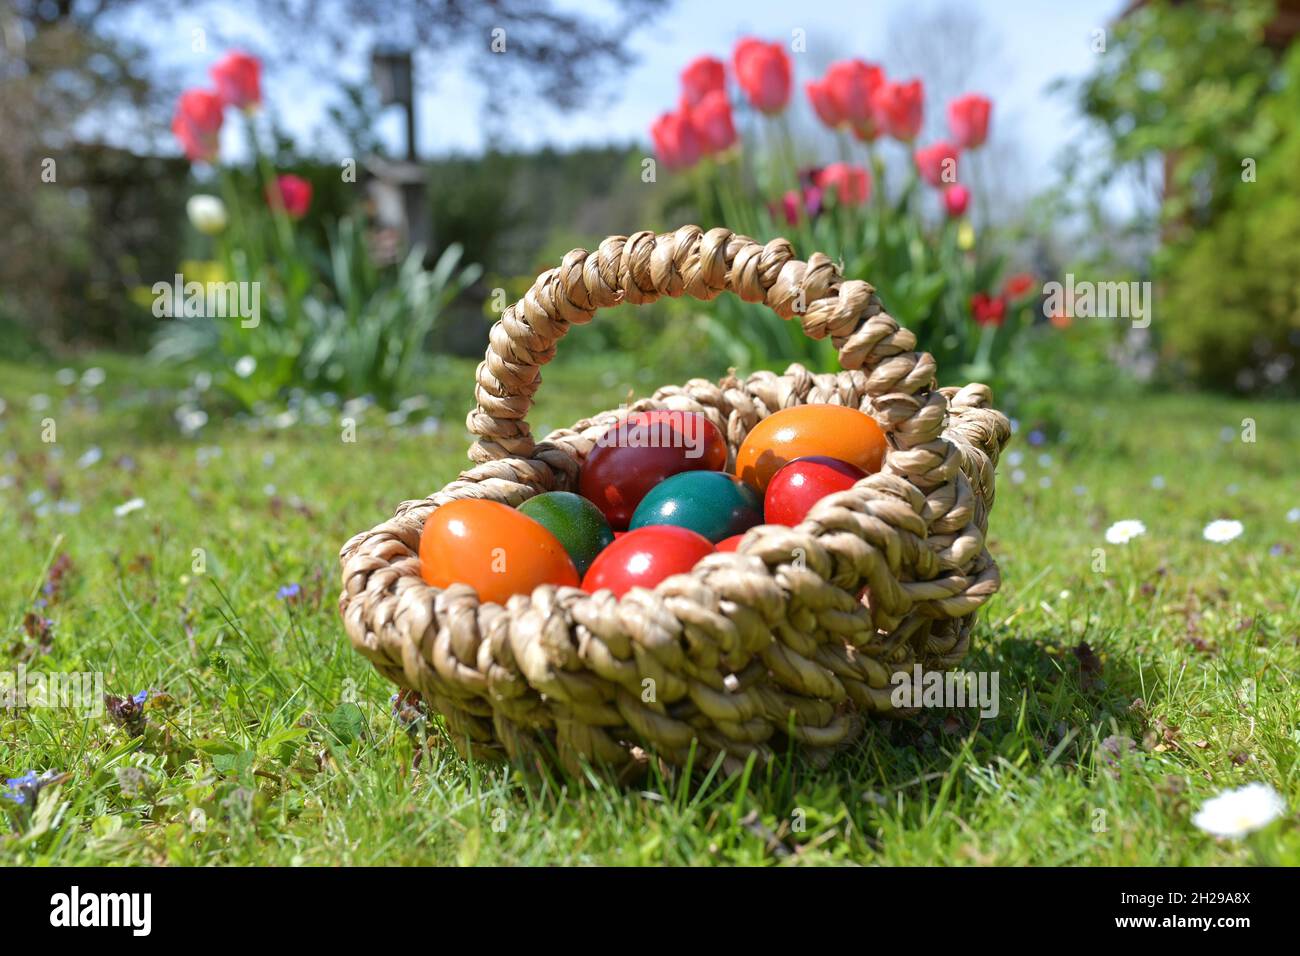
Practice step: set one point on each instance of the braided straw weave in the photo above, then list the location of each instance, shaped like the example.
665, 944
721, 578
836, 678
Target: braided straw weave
778, 638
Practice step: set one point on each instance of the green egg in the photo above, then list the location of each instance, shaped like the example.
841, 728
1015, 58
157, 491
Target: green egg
575, 521
711, 503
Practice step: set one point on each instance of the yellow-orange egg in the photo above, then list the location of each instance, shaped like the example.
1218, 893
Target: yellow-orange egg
833, 431
495, 549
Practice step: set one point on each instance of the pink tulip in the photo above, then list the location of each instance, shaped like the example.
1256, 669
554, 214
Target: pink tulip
852, 84
763, 72
676, 140
968, 119
712, 122
937, 163
852, 184
294, 194
898, 108
238, 78
823, 104
702, 76
956, 198
197, 124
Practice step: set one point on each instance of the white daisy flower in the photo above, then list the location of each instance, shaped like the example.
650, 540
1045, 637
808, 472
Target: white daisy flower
126, 507
1235, 813
246, 366
1122, 532
1221, 531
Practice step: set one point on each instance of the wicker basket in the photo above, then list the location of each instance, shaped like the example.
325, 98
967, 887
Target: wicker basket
776, 640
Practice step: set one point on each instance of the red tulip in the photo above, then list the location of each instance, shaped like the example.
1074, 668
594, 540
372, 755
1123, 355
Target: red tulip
1018, 284
711, 120
702, 76
823, 104
238, 80
293, 193
197, 124
763, 72
987, 310
968, 118
937, 163
852, 184
807, 198
852, 84
956, 198
676, 141
898, 108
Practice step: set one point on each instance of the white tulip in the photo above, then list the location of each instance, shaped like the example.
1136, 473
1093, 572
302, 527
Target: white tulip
207, 214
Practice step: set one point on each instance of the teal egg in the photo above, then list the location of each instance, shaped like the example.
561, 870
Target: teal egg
711, 503
575, 521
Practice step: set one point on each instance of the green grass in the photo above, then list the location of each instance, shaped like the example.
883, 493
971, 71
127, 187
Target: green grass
268, 728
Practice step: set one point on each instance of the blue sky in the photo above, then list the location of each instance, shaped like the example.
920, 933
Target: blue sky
1023, 46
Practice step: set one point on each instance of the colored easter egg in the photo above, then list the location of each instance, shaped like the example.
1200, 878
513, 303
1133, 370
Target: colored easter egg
833, 431
495, 549
641, 451
575, 522
729, 544
710, 503
802, 483
644, 557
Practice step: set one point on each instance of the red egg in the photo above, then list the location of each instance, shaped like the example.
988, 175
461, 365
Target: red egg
729, 544
641, 451
644, 557
802, 483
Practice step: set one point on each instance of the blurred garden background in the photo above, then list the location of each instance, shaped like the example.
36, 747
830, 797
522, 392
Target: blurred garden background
232, 228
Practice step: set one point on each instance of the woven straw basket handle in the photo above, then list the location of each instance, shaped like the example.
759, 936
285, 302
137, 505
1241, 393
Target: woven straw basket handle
640, 268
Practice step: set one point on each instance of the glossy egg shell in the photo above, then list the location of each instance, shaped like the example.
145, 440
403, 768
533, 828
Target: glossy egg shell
802, 483
833, 431
641, 451
729, 544
495, 549
576, 523
644, 557
711, 503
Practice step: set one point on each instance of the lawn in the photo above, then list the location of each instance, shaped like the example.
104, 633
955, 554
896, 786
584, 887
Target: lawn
1136, 680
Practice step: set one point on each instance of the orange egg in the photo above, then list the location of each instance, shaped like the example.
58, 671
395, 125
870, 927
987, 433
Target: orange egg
834, 431
495, 549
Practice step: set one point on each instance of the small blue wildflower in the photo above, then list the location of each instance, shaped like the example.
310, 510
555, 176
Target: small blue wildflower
141, 697
18, 789
289, 591
26, 789
1036, 437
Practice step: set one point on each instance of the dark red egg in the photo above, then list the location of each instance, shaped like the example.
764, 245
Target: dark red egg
641, 451
799, 485
644, 557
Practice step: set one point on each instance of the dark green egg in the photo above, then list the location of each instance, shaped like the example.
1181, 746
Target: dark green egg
575, 521
711, 503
